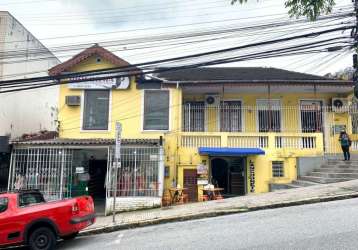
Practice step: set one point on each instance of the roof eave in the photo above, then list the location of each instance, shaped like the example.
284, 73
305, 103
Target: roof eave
278, 82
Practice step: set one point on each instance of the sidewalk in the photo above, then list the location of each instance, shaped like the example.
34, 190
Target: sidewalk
290, 197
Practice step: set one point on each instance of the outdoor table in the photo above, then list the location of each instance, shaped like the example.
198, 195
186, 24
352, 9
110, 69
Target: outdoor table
176, 194
215, 192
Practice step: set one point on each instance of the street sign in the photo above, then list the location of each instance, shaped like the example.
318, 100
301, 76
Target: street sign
118, 140
116, 165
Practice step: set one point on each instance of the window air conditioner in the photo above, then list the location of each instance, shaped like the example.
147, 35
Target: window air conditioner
73, 100
212, 100
340, 105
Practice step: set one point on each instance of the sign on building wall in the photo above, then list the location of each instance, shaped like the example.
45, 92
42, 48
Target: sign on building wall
202, 169
110, 83
202, 172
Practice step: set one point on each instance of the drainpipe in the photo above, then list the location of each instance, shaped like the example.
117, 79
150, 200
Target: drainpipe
161, 168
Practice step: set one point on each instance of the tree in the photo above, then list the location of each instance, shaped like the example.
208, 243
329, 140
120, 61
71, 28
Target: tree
308, 8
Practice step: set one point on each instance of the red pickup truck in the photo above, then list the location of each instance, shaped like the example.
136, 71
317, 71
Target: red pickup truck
26, 219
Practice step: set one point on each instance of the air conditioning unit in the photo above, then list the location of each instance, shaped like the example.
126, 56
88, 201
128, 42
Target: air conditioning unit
73, 100
212, 100
340, 105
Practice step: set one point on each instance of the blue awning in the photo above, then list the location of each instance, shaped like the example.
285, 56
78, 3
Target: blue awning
230, 151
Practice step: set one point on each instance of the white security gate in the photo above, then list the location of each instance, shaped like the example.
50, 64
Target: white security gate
139, 177
46, 169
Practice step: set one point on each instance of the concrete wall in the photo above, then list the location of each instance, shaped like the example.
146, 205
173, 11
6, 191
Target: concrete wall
132, 203
27, 111
306, 165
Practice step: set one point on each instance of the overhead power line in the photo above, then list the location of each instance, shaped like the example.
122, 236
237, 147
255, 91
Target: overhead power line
47, 81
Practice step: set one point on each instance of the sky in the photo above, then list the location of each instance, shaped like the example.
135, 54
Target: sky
112, 22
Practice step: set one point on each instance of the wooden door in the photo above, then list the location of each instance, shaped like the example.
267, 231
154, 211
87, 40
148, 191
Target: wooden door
237, 177
190, 182
237, 183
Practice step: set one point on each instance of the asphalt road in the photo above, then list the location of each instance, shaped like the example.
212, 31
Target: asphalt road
332, 225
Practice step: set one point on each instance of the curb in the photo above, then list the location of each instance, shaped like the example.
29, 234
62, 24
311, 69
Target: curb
228, 211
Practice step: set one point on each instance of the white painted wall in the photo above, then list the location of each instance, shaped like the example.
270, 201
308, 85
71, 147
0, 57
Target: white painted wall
32, 110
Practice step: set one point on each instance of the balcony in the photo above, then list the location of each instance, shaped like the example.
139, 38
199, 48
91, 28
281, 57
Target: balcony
232, 117
281, 130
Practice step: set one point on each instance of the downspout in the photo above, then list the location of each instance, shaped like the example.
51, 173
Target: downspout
179, 122
269, 107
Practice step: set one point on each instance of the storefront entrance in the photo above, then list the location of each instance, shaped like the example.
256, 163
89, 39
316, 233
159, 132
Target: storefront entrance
229, 173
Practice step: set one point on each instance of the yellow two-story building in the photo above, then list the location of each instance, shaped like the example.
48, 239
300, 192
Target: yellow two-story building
241, 129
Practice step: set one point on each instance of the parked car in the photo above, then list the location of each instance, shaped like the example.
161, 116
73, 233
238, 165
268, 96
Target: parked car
27, 219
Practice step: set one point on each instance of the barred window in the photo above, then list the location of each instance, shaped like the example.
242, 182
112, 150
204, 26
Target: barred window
96, 110
194, 116
156, 110
139, 172
230, 116
269, 115
311, 116
278, 169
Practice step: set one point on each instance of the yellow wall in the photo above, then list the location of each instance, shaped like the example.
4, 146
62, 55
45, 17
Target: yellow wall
127, 105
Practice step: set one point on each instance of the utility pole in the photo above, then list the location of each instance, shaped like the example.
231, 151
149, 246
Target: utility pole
355, 57
116, 166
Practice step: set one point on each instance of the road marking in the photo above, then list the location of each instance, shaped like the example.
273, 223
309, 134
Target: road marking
118, 240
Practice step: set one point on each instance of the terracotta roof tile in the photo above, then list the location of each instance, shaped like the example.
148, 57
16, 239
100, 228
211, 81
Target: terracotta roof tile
94, 50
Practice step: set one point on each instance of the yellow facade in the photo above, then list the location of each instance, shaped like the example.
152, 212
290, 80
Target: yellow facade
181, 148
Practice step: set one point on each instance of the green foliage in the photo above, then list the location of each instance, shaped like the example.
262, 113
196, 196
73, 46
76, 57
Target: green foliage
308, 8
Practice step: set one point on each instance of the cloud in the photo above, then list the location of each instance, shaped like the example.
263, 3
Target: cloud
111, 13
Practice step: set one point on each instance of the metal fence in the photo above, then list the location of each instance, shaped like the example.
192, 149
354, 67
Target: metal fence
47, 169
138, 174
237, 118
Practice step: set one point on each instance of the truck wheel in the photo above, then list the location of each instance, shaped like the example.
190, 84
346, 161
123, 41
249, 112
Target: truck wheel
42, 238
70, 236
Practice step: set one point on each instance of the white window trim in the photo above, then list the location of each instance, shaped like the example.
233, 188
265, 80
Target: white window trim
242, 113
312, 100
257, 113
283, 170
109, 128
170, 113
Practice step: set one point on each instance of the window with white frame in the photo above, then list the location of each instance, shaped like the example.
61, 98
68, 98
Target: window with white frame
311, 116
194, 116
156, 110
96, 110
230, 116
278, 169
269, 115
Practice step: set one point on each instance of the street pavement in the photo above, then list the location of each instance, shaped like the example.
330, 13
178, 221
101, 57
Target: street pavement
251, 202
330, 225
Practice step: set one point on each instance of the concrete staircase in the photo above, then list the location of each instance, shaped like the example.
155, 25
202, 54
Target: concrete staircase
332, 171
329, 172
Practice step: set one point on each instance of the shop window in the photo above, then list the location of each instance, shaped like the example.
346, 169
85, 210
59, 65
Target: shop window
156, 110
138, 175
278, 169
96, 110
